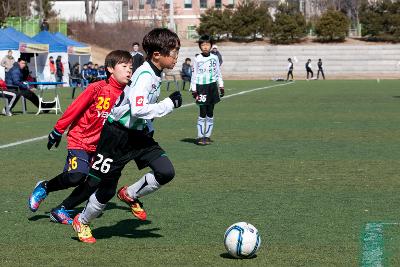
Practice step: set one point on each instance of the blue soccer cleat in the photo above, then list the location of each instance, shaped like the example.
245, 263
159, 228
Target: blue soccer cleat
61, 215
37, 196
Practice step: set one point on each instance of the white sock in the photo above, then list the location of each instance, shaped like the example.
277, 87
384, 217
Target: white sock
209, 126
200, 126
92, 210
146, 185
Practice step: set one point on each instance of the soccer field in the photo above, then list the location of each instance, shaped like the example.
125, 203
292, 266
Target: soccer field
313, 165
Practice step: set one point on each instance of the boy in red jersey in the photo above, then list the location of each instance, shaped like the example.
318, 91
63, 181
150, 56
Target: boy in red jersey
85, 118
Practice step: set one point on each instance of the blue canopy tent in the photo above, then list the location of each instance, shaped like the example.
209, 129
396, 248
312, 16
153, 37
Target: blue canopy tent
56, 48
17, 42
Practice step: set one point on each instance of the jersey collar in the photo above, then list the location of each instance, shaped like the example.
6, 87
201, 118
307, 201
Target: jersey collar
114, 83
155, 69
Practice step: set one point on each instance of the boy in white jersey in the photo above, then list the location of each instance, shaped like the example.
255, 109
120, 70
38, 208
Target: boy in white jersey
206, 74
127, 135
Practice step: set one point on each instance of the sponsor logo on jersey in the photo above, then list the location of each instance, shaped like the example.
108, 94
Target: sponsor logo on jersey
139, 101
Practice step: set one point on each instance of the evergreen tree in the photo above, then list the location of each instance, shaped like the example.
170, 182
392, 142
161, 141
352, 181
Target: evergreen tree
289, 25
332, 26
250, 19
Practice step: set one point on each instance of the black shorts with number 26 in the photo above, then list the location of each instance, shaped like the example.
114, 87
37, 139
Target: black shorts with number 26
119, 145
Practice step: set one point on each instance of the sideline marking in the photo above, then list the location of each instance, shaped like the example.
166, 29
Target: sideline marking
372, 254
183, 106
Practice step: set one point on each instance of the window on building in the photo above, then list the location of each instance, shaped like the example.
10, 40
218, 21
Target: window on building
231, 3
141, 4
188, 3
130, 4
218, 3
166, 4
203, 3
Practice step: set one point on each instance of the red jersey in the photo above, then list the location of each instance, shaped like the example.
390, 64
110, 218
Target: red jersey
87, 114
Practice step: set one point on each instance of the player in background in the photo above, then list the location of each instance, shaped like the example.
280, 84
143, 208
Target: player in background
290, 69
206, 79
85, 118
308, 69
126, 135
320, 69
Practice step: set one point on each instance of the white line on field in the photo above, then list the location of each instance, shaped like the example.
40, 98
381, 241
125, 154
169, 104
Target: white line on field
183, 106
373, 245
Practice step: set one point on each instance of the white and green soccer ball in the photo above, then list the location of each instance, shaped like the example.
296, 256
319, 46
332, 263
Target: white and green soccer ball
242, 240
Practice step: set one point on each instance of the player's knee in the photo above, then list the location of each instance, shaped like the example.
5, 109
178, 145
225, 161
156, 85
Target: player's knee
76, 178
165, 174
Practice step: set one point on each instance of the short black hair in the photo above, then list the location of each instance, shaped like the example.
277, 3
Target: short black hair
186, 59
160, 40
135, 43
21, 59
116, 57
289, 59
205, 39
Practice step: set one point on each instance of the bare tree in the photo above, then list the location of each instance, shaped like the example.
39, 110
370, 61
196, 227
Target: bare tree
91, 7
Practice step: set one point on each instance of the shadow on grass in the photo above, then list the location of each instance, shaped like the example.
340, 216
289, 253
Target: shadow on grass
226, 255
189, 140
38, 217
396, 96
126, 228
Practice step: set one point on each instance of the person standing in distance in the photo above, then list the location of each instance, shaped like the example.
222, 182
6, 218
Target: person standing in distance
320, 69
138, 58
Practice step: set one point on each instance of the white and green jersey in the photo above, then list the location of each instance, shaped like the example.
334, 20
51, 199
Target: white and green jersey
137, 104
205, 71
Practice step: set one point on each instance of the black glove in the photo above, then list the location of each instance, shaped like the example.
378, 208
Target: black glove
54, 138
176, 98
194, 94
221, 91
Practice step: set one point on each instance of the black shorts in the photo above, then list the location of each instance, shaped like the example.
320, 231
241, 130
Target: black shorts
208, 94
119, 145
78, 160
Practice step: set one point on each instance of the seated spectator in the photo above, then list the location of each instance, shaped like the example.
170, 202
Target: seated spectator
14, 78
85, 73
186, 73
102, 75
11, 97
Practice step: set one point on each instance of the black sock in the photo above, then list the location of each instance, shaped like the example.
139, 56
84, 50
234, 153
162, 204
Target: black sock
79, 195
57, 183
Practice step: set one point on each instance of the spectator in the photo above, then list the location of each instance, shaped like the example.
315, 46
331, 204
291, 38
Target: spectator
186, 72
138, 58
7, 61
214, 50
90, 77
95, 71
102, 75
59, 70
14, 78
320, 69
10, 95
52, 67
44, 26
76, 76
85, 75
308, 69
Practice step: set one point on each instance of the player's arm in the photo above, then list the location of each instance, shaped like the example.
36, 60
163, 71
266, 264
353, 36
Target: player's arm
194, 76
138, 100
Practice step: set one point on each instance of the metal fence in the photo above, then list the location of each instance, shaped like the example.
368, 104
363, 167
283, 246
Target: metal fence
31, 26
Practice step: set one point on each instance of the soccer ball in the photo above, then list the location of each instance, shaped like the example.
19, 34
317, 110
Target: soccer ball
242, 240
